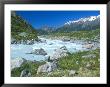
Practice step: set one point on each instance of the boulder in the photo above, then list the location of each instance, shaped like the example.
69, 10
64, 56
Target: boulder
96, 45
48, 67
89, 56
23, 34
59, 53
89, 42
88, 46
13, 41
42, 68
66, 39
25, 73
41, 40
72, 41
39, 52
72, 72
50, 43
63, 48
88, 65
17, 62
30, 42
27, 42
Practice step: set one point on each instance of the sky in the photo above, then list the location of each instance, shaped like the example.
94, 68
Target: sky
53, 18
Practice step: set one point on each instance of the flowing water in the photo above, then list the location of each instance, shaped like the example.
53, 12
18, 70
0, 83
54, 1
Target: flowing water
20, 50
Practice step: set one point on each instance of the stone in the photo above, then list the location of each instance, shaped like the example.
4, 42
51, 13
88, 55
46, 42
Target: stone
72, 41
25, 73
42, 68
89, 42
66, 39
39, 52
27, 42
23, 34
72, 72
17, 62
30, 42
89, 56
13, 41
88, 65
88, 46
50, 43
63, 48
59, 53
42, 41
48, 67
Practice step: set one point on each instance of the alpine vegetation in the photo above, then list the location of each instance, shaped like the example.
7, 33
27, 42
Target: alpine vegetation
72, 49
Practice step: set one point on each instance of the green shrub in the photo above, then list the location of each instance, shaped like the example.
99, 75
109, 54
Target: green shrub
19, 25
75, 62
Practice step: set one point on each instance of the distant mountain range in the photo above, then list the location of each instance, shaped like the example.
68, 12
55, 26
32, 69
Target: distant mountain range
46, 30
89, 23
89, 19
20, 26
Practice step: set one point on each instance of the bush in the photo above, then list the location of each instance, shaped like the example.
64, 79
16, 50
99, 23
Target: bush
19, 25
75, 62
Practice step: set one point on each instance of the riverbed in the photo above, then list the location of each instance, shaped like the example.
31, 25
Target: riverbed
49, 45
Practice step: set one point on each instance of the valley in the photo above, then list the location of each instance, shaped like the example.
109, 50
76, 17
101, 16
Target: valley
72, 50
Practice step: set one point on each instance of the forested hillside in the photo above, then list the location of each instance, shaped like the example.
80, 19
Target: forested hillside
21, 29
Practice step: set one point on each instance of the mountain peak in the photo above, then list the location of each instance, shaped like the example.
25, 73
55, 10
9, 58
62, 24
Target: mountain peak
91, 18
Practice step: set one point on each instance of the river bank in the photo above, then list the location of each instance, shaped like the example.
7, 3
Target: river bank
50, 56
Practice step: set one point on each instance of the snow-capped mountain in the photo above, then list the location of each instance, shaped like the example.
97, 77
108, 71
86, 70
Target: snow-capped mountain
91, 18
89, 23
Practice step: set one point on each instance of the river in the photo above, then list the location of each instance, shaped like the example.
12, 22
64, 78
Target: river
20, 50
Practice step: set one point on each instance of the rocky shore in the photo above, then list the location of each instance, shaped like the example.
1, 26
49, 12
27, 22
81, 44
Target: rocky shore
51, 63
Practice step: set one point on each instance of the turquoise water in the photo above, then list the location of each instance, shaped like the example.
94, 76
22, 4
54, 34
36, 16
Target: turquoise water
20, 50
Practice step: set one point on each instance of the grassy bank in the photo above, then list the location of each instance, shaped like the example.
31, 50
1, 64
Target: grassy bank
29, 65
77, 35
84, 67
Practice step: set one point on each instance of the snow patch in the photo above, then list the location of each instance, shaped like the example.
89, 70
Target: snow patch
91, 18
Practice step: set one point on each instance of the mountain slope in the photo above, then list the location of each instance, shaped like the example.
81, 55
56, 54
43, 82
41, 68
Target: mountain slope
90, 23
45, 30
21, 29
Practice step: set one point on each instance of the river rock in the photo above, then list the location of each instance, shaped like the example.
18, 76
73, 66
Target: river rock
30, 42
48, 67
41, 41
50, 43
88, 46
63, 48
72, 41
39, 52
89, 56
60, 52
13, 41
25, 73
66, 39
96, 45
27, 42
17, 62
